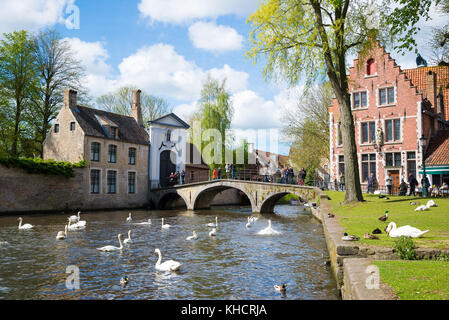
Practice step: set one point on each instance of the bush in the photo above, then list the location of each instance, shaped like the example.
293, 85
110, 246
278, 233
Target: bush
39, 166
405, 248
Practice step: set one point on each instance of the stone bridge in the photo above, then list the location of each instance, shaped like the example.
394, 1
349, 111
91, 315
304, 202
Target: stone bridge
262, 196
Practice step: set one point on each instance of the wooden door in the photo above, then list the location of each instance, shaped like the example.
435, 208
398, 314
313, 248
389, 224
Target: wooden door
395, 175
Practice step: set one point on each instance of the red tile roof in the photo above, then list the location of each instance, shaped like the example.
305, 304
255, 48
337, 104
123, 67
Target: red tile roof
438, 150
418, 78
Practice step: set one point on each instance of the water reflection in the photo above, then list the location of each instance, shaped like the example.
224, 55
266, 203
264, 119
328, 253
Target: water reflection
235, 264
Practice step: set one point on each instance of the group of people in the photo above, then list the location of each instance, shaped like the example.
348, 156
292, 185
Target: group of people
173, 178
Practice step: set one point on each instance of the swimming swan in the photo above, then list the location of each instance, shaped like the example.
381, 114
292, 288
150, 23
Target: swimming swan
194, 237
128, 240
145, 223
165, 226
75, 218
25, 226
248, 225
77, 226
406, 231
213, 225
169, 265
129, 218
62, 234
268, 230
213, 232
113, 248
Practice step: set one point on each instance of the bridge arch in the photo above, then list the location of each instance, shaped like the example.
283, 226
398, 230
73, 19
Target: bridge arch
171, 200
268, 203
206, 194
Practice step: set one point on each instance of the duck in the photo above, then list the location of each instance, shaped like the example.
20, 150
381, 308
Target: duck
128, 240
268, 230
376, 231
169, 265
145, 222
124, 280
370, 236
25, 226
422, 208
62, 234
347, 237
212, 225
248, 225
384, 217
393, 231
113, 248
165, 226
331, 215
280, 288
75, 218
194, 236
213, 232
129, 218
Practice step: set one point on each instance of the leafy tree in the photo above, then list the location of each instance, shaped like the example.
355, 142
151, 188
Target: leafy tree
121, 101
18, 83
440, 40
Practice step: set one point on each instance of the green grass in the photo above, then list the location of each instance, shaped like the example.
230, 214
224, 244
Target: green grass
416, 280
358, 218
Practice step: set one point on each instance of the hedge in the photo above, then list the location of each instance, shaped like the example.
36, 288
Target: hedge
39, 166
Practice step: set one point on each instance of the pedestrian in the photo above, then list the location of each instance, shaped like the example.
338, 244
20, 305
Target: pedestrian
389, 182
214, 174
371, 183
292, 175
413, 183
403, 188
342, 181
219, 173
183, 176
227, 168
265, 174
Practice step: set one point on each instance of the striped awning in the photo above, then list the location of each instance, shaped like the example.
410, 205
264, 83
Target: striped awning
436, 170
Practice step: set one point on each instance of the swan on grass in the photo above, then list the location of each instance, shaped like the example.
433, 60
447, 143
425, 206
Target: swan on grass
194, 236
129, 218
25, 226
113, 248
393, 231
128, 240
169, 265
165, 226
213, 225
268, 231
422, 208
75, 218
62, 234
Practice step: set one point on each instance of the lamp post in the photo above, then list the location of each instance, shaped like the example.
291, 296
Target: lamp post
424, 183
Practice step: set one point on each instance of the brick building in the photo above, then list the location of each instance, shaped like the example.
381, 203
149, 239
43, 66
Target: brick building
392, 109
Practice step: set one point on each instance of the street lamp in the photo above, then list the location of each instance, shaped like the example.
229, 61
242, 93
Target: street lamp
424, 183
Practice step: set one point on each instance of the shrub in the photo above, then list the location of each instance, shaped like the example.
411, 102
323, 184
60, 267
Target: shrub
405, 248
39, 166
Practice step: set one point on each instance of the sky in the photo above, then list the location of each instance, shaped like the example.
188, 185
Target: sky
168, 47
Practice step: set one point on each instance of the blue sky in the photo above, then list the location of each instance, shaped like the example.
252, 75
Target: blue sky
167, 48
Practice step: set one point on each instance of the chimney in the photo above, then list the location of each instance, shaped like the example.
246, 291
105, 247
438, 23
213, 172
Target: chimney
431, 88
136, 110
70, 99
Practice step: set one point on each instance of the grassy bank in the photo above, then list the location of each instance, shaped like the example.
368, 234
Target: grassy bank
416, 280
358, 218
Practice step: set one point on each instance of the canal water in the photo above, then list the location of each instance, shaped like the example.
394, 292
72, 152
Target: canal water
235, 264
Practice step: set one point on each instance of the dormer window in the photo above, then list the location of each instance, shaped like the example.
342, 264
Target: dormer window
370, 67
113, 132
168, 137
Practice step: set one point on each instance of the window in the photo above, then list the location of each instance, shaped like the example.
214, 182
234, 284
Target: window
113, 132
393, 159
112, 155
95, 151
341, 164
56, 128
386, 96
168, 138
94, 181
370, 67
359, 100
368, 165
411, 163
368, 132
112, 182
132, 156
393, 130
131, 182
339, 137
72, 126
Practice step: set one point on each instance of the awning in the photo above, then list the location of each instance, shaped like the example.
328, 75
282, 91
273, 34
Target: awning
436, 170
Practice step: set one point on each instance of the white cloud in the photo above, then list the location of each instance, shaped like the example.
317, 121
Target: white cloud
235, 80
93, 55
180, 11
216, 38
31, 15
185, 111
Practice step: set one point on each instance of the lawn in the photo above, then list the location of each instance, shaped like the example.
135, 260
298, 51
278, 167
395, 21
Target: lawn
358, 218
416, 280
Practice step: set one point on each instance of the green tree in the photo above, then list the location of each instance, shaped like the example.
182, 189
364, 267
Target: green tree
18, 84
121, 101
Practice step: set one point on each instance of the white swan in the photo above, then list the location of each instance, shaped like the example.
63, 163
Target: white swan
213, 225
165, 226
193, 237
62, 234
3, 243
422, 208
25, 226
129, 218
213, 232
169, 265
431, 203
77, 226
406, 231
75, 218
248, 225
128, 240
145, 223
113, 248
268, 230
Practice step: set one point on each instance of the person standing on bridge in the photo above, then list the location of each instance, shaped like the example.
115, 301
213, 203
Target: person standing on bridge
183, 177
227, 170
219, 173
214, 174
